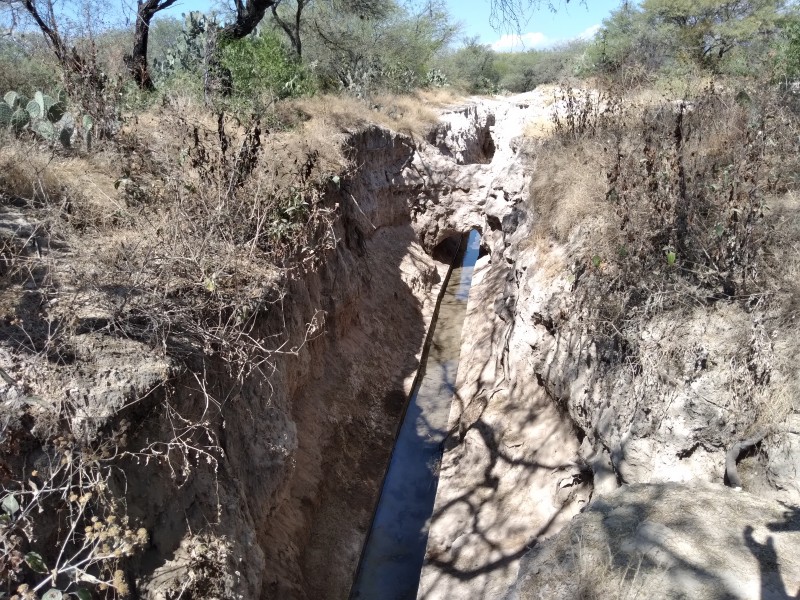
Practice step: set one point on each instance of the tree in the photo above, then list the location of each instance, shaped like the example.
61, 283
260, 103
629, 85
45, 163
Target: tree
247, 15
292, 28
43, 13
628, 42
83, 78
709, 29
136, 61
474, 66
290, 20
390, 48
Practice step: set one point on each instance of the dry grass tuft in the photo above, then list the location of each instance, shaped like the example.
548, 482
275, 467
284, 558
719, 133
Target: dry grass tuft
568, 186
413, 114
26, 173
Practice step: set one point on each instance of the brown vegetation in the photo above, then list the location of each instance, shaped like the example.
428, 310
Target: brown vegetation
679, 206
178, 238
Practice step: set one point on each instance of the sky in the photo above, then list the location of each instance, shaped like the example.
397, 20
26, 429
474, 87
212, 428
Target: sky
544, 28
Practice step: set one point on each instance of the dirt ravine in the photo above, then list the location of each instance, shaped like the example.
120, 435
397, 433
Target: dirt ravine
540, 430
511, 471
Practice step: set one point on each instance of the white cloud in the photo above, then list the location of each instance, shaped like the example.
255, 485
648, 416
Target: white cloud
512, 42
589, 32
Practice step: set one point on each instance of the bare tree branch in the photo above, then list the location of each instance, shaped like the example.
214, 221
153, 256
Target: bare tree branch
249, 14
513, 15
292, 30
49, 28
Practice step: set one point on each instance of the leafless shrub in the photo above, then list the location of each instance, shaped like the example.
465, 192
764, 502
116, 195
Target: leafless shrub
689, 187
69, 481
677, 206
215, 259
583, 113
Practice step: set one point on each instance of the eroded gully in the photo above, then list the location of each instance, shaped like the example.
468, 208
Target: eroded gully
508, 475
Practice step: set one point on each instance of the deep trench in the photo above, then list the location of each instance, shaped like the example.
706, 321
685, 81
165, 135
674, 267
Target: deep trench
394, 550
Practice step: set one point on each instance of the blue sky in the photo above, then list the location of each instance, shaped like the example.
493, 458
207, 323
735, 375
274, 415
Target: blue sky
544, 28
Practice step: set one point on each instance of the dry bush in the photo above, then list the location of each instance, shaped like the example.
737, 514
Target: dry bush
784, 310
568, 186
599, 578
93, 535
672, 207
215, 233
412, 114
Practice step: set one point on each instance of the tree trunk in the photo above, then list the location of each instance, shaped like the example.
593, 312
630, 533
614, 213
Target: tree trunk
248, 16
136, 61
292, 30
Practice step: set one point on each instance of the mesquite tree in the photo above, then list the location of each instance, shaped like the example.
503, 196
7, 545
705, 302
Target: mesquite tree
247, 14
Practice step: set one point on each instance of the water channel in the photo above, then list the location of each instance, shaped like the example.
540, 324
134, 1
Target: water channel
391, 561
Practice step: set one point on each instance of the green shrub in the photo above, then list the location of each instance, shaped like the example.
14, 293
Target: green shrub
392, 48
473, 67
262, 65
524, 71
27, 66
788, 54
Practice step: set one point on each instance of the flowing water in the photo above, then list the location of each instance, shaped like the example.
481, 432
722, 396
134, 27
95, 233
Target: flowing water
393, 554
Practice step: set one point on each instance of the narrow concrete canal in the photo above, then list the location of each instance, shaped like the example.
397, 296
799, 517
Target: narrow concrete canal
393, 554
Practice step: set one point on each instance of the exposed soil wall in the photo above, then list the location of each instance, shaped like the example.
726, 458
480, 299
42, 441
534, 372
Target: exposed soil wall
307, 445
543, 422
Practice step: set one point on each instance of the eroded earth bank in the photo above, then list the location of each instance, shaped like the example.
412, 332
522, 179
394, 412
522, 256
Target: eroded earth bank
563, 469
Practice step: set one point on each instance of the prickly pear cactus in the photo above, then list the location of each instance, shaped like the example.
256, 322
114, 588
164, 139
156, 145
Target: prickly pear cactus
12, 99
33, 109
6, 113
45, 129
20, 119
49, 107
64, 129
45, 116
88, 126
